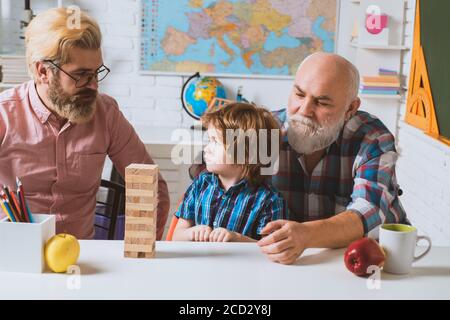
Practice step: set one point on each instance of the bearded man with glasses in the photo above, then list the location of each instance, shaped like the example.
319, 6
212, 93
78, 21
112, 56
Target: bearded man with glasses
57, 129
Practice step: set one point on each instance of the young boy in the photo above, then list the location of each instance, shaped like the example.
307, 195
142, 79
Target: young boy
232, 201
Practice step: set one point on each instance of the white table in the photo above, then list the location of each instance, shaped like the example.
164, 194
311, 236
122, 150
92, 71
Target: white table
184, 270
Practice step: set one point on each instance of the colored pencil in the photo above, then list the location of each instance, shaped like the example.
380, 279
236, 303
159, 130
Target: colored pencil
5, 200
12, 205
19, 210
23, 201
8, 214
10, 211
30, 215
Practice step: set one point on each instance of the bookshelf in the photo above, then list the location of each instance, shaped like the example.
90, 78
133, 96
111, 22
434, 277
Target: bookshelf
379, 96
7, 85
359, 1
370, 57
378, 47
13, 71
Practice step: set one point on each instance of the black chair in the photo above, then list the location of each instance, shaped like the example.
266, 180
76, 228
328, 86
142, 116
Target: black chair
198, 166
112, 207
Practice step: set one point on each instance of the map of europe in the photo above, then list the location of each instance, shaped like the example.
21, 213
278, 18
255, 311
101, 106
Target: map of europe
244, 37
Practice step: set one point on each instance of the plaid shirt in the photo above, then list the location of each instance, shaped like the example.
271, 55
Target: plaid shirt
241, 209
357, 173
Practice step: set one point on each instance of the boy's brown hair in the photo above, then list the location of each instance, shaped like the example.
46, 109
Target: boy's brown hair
243, 118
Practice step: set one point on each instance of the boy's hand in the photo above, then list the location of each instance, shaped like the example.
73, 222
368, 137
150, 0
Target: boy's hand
200, 233
222, 235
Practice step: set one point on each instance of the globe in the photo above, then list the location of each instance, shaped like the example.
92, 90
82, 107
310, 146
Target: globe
198, 92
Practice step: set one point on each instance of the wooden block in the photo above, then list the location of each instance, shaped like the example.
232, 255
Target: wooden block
139, 227
130, 192
133, 186
140, 241
149, 186
130, 254
140, 199
141, 203
140, 221
141, 206
147, 254
138, 247
145, 234
138, 169
140, 237
141, 213
142, 228
141, 186
140, 179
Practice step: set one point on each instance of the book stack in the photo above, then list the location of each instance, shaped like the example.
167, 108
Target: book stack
386, 83
13, 69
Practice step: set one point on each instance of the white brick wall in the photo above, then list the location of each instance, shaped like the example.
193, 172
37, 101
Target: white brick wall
424, 172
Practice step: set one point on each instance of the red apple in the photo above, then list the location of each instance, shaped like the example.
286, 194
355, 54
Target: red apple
363, 253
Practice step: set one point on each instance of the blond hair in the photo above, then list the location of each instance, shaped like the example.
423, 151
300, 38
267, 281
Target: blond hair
50, 36
244, 117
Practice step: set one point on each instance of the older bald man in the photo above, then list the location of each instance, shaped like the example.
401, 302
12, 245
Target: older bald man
337, 165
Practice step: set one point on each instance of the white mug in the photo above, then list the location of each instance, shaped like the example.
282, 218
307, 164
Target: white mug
399, 243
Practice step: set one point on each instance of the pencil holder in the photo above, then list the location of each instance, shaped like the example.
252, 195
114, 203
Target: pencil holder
22, 244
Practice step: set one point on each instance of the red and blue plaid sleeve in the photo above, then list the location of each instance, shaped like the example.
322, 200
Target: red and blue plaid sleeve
274, 209
375, 190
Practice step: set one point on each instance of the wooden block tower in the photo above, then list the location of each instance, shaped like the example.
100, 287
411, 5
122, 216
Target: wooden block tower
141, 182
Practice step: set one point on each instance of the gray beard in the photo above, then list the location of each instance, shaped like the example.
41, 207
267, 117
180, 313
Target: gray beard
309, 138
77, 108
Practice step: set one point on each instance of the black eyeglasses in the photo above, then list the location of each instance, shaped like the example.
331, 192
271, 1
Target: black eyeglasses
86, 77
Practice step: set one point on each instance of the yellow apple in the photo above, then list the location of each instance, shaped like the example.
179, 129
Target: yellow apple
61, 251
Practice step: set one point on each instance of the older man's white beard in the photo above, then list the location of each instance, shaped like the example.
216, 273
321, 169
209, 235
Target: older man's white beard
306, 136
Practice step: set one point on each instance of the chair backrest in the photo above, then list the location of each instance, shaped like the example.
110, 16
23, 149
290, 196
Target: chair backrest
112, 207
194, 171
198, 167
173, 224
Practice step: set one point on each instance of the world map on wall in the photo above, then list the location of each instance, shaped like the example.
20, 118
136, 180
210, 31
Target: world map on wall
245, 37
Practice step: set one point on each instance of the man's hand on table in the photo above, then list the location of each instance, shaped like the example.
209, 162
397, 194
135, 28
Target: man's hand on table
285, 241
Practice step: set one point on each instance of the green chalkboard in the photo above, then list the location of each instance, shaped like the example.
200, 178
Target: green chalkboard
435, 40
